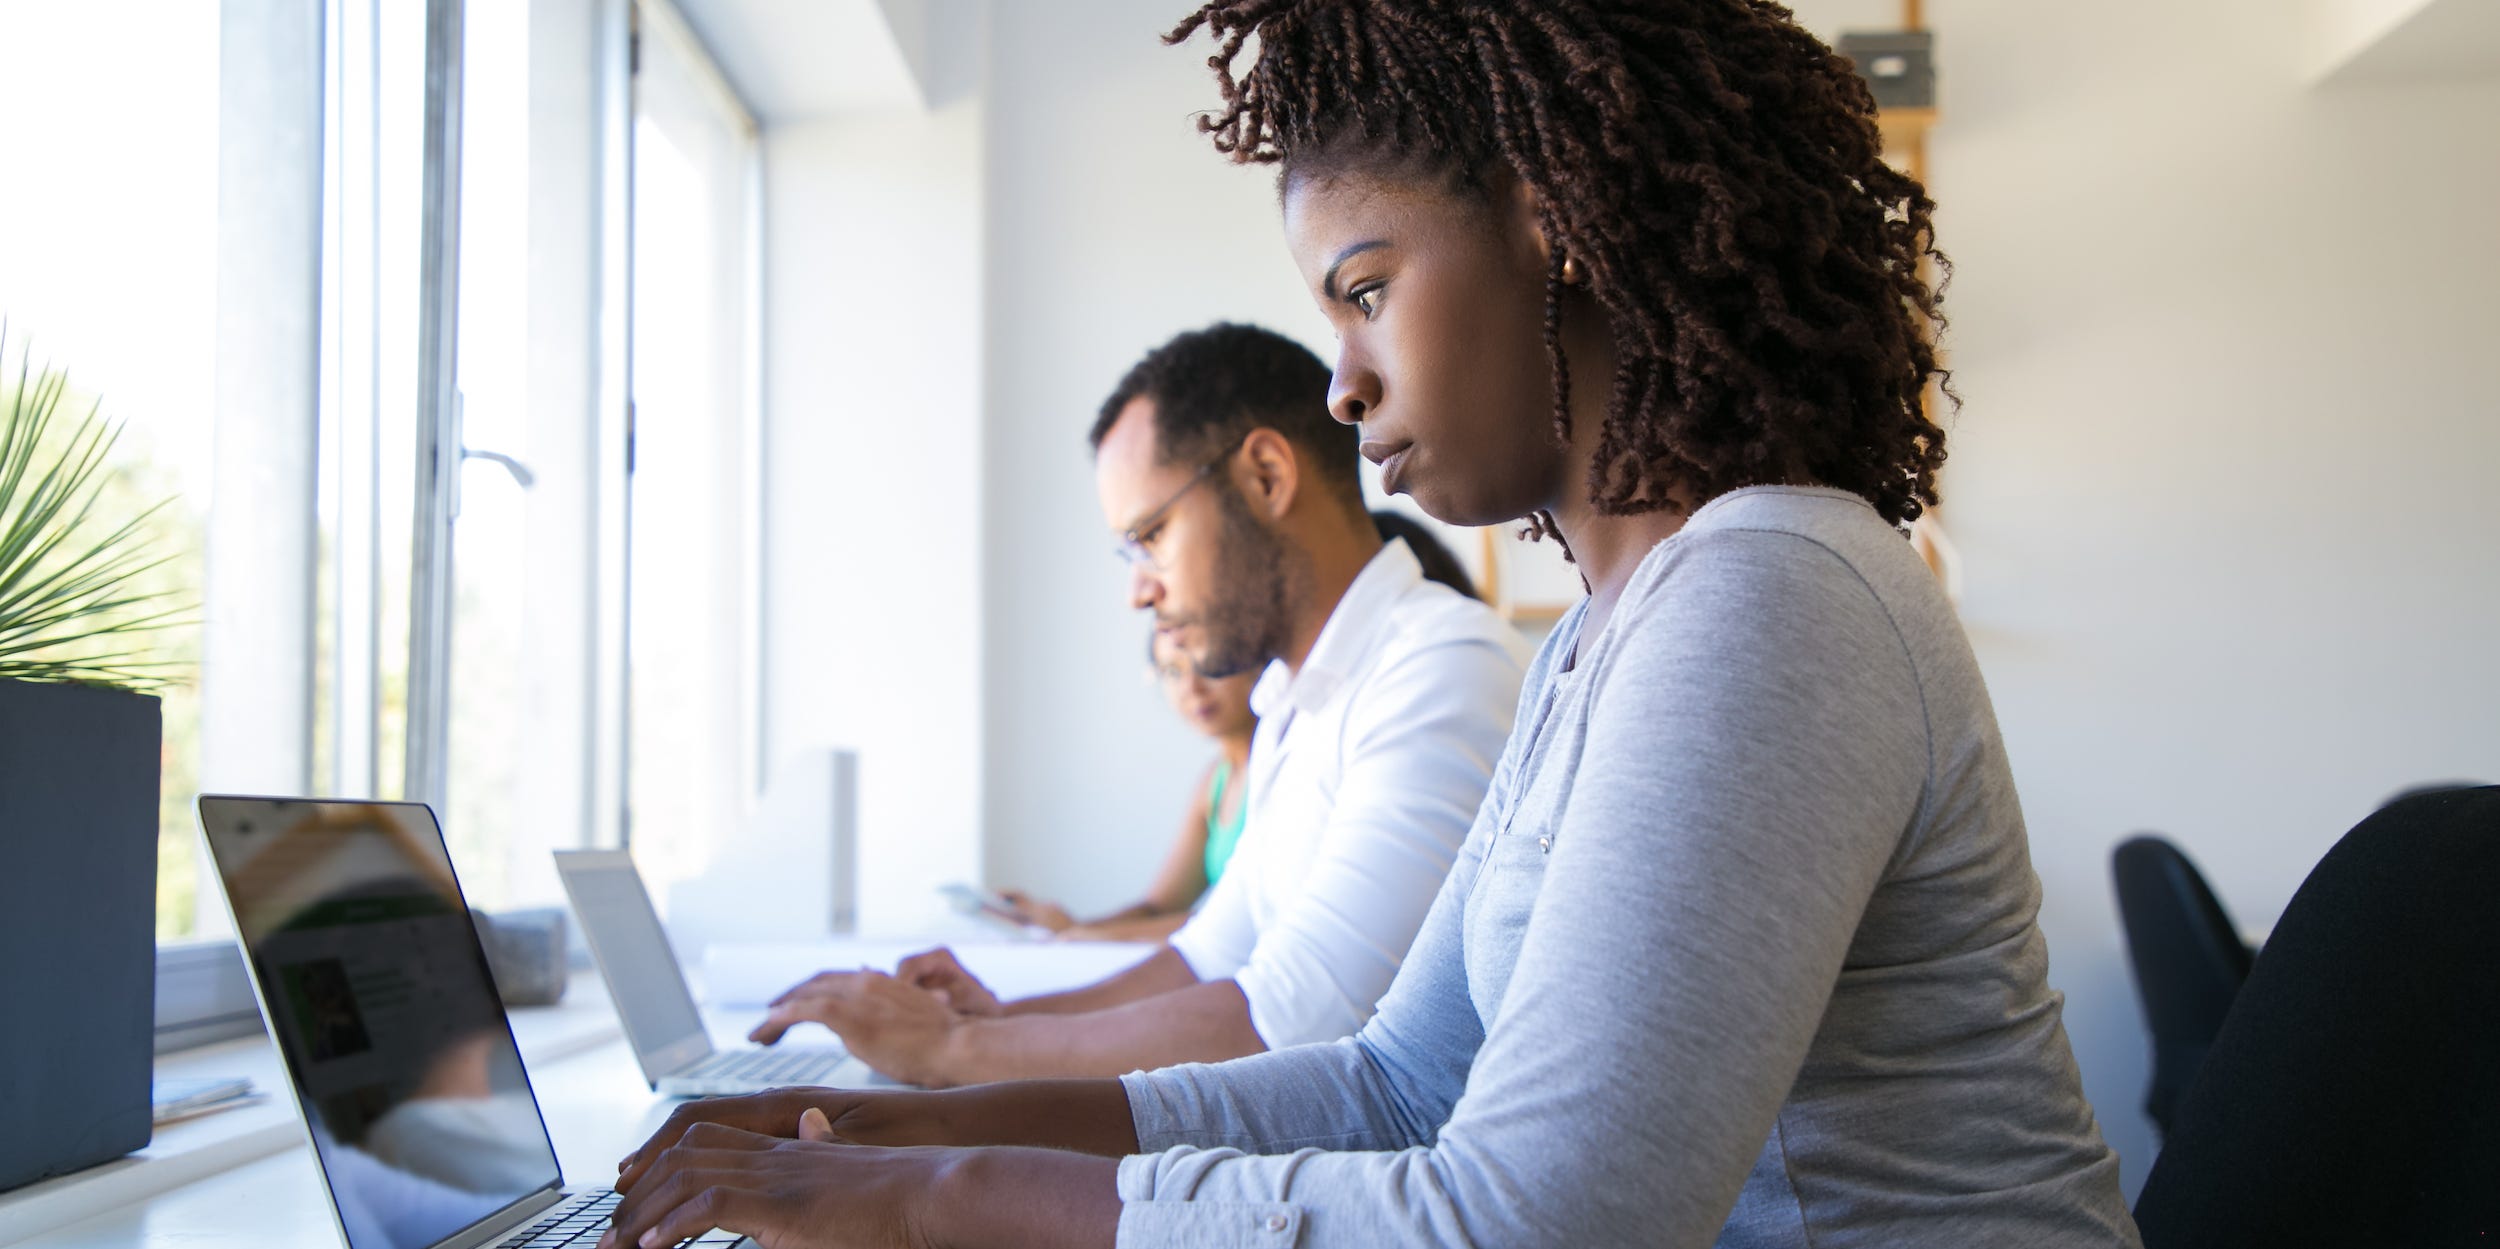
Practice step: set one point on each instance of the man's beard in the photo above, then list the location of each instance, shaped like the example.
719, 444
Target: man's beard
1248, 618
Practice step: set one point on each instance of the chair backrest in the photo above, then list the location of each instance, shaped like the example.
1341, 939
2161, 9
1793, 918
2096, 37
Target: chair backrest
2430, 787
2189, 961
2353, 1095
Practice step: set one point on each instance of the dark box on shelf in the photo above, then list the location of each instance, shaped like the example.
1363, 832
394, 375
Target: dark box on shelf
1900, 65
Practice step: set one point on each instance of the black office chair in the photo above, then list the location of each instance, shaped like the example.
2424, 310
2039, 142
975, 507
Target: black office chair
2353, 1096
2430, 787
2189, 961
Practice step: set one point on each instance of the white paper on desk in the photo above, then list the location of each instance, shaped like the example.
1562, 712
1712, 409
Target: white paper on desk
737, 973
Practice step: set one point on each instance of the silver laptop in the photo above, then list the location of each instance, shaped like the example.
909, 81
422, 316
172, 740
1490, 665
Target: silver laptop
368, 969
651, 996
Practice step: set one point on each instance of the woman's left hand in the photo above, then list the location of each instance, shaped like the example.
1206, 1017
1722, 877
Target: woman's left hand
815, 1192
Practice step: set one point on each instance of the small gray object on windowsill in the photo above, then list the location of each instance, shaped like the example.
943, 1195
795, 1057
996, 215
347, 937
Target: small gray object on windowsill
1898, 65
525, 950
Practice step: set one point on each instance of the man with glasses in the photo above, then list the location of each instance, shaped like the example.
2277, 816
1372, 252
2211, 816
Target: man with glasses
1383, 705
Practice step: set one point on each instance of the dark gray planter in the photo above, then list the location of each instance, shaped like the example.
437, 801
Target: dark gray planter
78, 778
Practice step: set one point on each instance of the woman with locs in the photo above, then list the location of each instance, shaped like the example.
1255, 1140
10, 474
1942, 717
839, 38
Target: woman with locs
1743, 947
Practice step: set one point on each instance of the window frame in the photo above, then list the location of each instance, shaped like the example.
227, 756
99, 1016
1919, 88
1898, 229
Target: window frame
663, 23
203, 990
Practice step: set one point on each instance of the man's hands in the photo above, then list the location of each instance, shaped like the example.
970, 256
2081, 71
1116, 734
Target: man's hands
934, 1025
938, 972
900, 1031
901, 1025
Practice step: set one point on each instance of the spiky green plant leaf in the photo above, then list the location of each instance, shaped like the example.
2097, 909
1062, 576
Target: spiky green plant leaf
74, 603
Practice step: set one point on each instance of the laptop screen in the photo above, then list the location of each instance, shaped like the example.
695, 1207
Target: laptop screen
633, 951
378, 994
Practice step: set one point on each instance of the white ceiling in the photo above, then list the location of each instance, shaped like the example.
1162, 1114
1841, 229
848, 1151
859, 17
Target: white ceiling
2394, 41
795, 60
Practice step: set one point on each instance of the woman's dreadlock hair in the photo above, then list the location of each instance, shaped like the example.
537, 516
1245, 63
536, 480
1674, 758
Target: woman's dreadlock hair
1711, 168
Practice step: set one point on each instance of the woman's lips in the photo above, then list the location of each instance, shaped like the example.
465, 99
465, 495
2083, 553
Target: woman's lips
1391, 457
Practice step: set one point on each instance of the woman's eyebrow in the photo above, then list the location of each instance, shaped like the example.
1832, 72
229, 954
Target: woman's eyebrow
1328, 283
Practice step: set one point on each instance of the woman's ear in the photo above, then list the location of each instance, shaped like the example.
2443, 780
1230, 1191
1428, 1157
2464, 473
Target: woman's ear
1523, 216
1526, 223
1268, 473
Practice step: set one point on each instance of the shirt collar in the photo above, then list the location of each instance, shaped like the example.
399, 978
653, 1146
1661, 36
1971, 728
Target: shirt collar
1353, 625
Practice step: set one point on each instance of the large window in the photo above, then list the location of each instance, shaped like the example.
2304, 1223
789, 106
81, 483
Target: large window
253, 283
601, 600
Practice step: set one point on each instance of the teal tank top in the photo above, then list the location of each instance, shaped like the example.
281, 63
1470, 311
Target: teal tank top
1222, 834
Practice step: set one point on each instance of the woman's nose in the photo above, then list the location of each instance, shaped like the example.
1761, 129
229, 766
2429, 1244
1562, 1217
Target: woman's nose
1353, 391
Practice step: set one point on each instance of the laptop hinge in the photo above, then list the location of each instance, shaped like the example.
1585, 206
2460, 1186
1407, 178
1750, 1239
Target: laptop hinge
506, 1221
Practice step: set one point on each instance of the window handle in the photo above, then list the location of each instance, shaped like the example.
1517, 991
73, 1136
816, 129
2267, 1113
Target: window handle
521, 474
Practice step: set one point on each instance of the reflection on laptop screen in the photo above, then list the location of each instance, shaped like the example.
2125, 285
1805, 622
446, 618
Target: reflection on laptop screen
377, 991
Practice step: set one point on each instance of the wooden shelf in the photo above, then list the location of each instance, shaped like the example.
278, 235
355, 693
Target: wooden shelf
1904, 129
1536, 613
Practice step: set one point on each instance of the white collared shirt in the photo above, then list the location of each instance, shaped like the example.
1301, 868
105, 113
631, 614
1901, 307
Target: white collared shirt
1365, 774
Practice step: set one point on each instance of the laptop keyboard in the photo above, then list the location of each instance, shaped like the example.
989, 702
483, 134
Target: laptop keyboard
578, 1221
769, 1066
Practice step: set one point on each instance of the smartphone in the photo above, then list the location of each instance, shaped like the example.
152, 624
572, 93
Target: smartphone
974, 900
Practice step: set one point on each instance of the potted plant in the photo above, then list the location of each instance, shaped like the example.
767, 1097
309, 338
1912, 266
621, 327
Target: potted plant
80, 741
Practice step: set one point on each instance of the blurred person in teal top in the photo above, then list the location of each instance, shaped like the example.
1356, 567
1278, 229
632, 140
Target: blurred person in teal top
1220, 708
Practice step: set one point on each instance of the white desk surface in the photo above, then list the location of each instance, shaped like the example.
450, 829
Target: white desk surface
244, 1178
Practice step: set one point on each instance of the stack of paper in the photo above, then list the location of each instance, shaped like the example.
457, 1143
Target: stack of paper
184, 1099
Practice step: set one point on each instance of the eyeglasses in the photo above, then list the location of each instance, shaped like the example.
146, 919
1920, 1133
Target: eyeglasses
1132, 549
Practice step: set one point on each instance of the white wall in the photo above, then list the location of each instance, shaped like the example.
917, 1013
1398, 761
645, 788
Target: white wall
1112, 225
873, 469
2224, 478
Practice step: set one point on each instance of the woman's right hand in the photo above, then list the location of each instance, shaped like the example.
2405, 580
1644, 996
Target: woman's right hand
861, 1118
1038, 912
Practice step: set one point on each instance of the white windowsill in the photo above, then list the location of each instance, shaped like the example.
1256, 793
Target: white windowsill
194, 1149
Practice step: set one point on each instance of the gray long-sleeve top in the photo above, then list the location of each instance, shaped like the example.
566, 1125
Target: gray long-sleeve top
1742, 950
